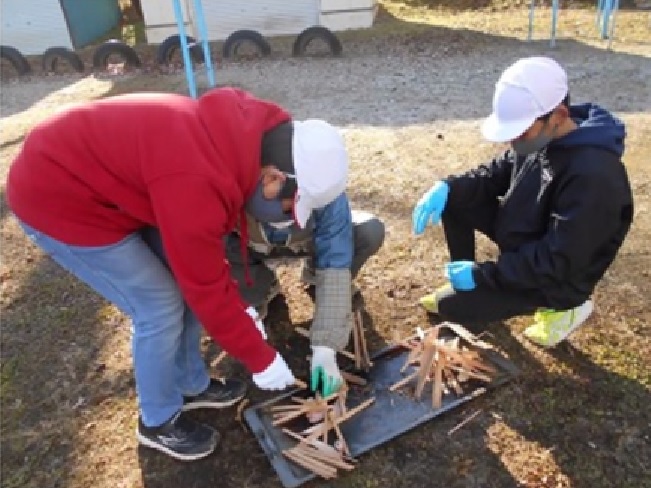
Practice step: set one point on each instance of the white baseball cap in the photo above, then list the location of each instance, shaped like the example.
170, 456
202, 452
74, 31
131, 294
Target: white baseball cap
321, 166
528, 89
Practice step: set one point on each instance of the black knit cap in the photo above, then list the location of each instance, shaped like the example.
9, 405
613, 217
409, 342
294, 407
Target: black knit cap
277, 150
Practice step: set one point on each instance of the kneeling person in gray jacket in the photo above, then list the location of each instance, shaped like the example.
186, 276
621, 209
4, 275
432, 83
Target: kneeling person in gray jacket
308, 218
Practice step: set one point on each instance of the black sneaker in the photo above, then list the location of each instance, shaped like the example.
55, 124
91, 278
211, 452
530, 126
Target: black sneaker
219, 394
180, 437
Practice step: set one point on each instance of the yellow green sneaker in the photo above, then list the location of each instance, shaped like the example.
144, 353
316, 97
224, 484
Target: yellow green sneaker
551, 327
431, 302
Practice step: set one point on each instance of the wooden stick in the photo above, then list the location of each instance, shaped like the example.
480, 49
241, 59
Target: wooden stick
354, 379
366, 360
220, 357
316, 467
333, 461
314, 453
438, 383
326, 427
306, 333
472, 374
411, 358
301, 384
355, 410
465, 334
357, 345
279, 408
323, 448
287, 418
313, 432
341, 402
304, 408
344, 445
464, 422
425, 364
403, 381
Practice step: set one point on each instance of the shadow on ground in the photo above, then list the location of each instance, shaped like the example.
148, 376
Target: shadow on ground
53, 336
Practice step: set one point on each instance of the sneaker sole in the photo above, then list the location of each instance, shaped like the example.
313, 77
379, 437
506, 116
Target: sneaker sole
215, 405
181, 457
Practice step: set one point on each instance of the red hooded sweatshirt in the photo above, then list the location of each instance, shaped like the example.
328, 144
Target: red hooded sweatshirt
95, 173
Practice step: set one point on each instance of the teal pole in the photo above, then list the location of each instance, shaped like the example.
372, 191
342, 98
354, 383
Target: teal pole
185, 50
203, 33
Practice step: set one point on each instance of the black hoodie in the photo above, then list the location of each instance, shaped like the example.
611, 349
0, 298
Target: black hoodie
562, 213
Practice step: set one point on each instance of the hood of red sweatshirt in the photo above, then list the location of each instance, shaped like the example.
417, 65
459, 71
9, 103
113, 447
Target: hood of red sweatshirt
236, 122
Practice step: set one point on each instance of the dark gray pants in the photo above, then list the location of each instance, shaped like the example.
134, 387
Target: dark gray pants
368, 236
476, 308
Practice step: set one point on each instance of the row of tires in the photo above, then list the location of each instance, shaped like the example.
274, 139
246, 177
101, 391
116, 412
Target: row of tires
108, 51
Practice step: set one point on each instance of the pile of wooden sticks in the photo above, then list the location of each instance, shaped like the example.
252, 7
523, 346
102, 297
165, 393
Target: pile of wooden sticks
314, 451
444, 362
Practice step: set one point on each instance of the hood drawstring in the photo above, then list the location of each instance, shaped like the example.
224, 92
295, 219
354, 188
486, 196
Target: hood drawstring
244, 248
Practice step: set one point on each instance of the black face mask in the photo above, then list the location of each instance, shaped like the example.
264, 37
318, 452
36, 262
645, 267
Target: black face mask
271, 210
530, 146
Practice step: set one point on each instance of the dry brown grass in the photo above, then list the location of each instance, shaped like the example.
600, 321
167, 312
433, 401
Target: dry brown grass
577, 417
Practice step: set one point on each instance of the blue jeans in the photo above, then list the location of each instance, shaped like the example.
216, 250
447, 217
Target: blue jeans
166, 336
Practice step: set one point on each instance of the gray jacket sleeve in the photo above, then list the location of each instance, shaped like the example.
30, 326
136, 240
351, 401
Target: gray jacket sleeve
332, 309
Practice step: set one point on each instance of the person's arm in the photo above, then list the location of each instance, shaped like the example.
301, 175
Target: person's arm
333, 256
192, 220
482, 184
584, 217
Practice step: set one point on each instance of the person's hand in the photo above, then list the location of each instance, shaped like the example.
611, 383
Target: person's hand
430, 207
460, 275
253, 313
277, 376
324, 371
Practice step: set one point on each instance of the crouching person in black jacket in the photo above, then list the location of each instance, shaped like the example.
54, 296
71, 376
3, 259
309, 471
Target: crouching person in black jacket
558, 204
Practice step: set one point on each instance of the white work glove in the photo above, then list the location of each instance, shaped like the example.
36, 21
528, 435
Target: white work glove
324, 371
253, 313
277, 376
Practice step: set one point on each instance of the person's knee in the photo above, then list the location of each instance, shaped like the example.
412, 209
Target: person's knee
370, 235
452, 308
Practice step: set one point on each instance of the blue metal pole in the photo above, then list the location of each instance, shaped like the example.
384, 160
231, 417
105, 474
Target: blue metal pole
600, 6
552, 43
612, 25
185, 50
531, 9
605, 17
203, 33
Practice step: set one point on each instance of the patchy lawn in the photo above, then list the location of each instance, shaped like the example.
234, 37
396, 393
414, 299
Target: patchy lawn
409, 93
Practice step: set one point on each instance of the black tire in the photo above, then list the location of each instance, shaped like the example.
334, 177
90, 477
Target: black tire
316, 32
173, 44
54, 55
113, 46
17, 60
237, 38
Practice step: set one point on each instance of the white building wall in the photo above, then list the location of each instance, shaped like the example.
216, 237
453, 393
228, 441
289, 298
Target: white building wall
268, 17
32, 26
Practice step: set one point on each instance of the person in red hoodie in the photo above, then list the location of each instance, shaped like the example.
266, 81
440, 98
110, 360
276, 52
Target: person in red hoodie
134, 195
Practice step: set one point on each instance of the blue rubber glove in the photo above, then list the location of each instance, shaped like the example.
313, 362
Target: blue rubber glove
460, 275
430, 207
